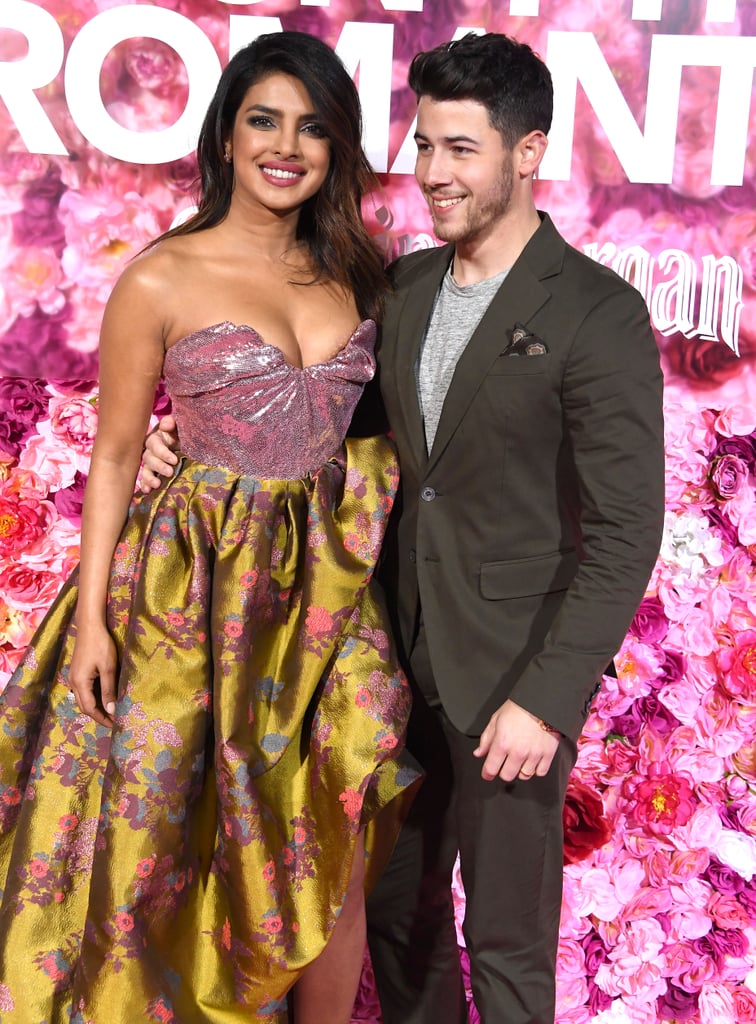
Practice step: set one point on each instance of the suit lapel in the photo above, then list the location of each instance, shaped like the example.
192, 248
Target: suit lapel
520, 297
412, 323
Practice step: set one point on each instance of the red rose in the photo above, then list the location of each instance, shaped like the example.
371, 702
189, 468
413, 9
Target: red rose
705, 363
585, 827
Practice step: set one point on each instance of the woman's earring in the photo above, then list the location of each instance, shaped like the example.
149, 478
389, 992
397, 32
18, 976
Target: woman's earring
227, 156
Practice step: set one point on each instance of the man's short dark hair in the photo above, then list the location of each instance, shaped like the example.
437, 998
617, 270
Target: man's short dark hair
507, 77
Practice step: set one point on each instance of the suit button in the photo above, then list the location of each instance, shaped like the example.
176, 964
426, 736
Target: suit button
427, 494
413, 555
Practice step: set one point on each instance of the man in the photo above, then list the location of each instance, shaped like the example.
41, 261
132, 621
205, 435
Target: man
522, 384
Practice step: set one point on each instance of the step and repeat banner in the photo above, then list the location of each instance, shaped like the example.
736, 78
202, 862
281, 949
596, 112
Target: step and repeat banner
650, 170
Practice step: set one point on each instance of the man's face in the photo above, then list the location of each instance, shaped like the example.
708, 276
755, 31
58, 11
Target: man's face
463, 168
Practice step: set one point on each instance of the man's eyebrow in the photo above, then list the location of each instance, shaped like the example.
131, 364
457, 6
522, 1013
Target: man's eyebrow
449, 139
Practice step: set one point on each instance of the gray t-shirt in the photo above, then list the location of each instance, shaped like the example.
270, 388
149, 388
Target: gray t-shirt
456, 313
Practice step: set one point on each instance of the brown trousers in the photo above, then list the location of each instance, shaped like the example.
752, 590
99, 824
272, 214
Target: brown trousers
509, 837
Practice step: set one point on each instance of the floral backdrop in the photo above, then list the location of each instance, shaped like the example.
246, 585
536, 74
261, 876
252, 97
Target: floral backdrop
659, 913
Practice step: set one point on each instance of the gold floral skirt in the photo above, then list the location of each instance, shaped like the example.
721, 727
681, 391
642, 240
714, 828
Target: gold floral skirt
187, 867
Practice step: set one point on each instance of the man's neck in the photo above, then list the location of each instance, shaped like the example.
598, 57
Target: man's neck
485, 257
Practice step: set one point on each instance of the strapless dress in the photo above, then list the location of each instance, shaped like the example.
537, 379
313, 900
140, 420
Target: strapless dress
187, 867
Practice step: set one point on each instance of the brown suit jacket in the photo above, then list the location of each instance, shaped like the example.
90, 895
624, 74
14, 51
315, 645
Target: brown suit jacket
529, 533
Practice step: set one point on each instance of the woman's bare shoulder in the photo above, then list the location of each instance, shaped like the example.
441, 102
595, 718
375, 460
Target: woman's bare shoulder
158, 274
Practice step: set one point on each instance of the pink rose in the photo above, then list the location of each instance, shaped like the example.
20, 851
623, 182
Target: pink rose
686, 864
661, 803
715, 1004
622, 757
51, 459
153, 65
726, 912
634, 965
571, 957
737, 787
747, 524
70, 500
105, 225
17, 627
605, 890
637, 664
23, 522
719, 722
676, 1004
744, 1004
650, 624
729, 475
737, 665
34, 278
74, 421
58, 551
27, 588
736, 422
572, 988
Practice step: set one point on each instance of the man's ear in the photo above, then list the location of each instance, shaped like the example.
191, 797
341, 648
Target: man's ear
530, 151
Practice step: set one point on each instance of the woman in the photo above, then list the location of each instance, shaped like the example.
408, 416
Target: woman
190, 775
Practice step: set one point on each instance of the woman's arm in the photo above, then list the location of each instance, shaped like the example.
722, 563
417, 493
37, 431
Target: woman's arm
131, 359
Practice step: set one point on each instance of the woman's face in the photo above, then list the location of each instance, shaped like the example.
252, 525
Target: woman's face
278, 145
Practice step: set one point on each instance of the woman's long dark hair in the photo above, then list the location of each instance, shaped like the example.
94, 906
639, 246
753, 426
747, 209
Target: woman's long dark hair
330, 222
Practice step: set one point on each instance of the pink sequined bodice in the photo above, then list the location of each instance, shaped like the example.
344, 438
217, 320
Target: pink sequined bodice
239, 404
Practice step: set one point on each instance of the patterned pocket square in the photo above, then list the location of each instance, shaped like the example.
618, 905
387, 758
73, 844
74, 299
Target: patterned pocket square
525, 343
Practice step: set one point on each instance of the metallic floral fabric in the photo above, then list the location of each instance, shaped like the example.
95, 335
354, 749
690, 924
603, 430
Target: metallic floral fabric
187, 867
239, 403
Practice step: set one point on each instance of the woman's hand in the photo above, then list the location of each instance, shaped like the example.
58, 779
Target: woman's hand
92, 674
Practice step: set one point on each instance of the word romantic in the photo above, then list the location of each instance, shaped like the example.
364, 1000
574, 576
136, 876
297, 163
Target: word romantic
367, 49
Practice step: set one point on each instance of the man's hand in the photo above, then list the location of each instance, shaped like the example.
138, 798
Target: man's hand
158, 457
515, 745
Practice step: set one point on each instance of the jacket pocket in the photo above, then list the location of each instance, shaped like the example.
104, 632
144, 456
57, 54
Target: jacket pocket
516, 365
527, 577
